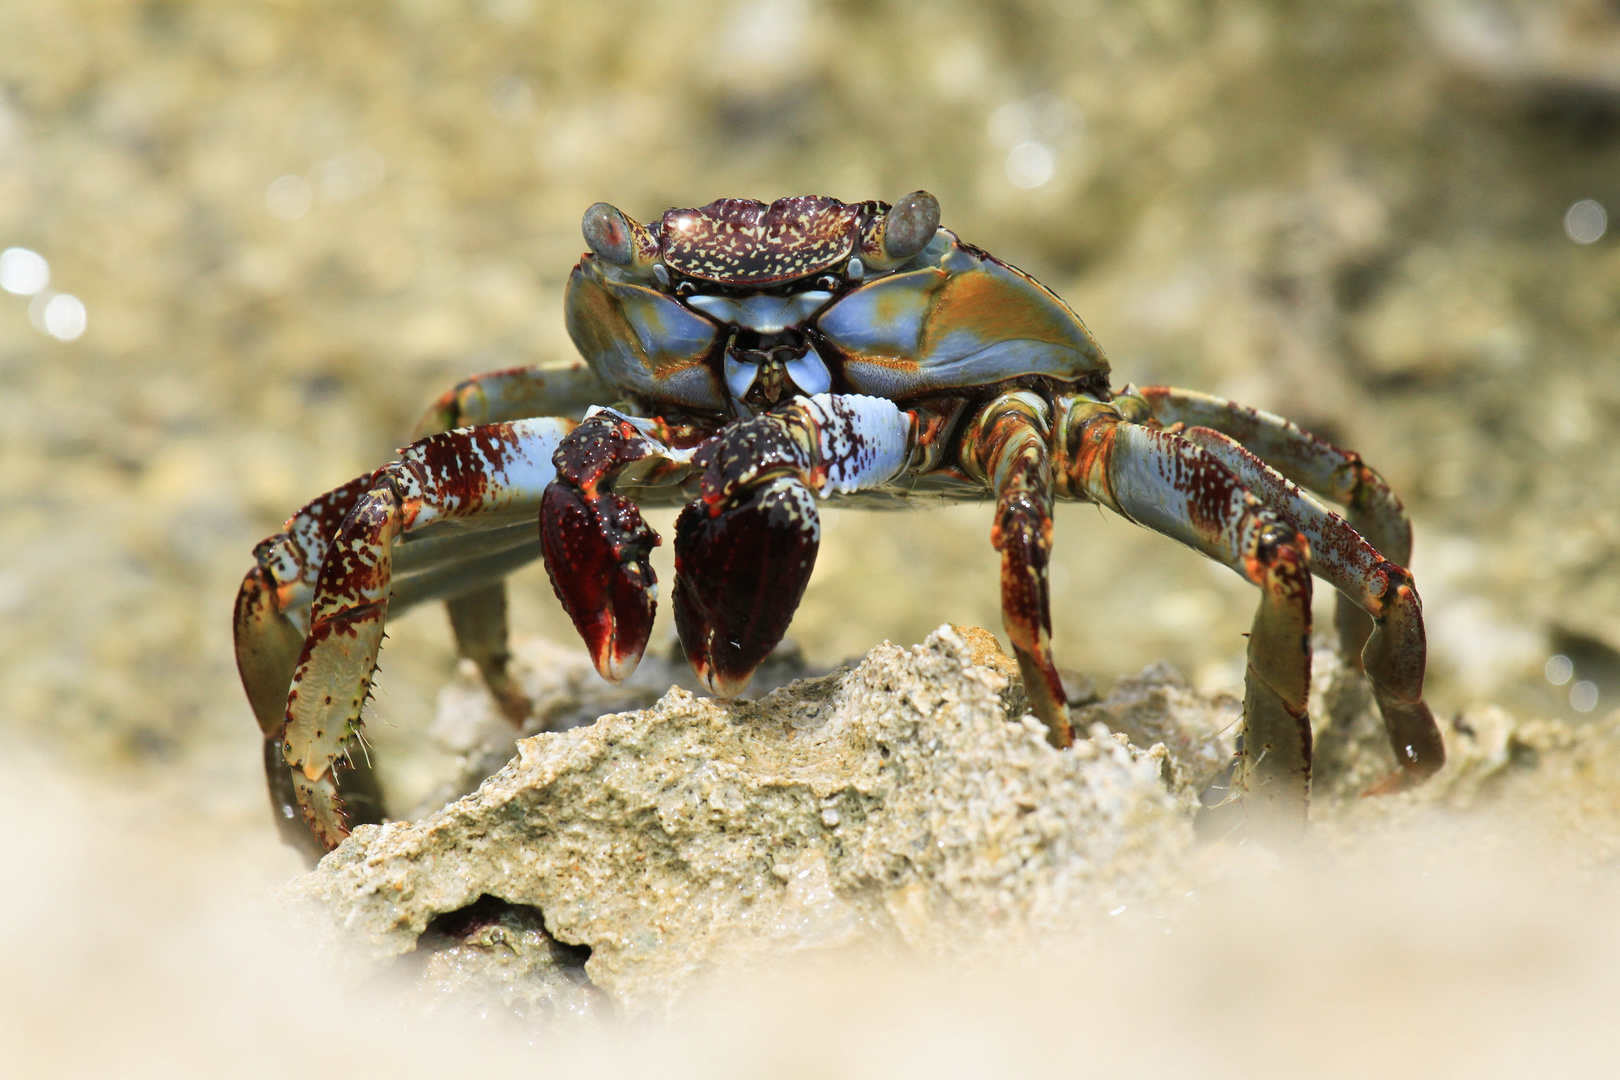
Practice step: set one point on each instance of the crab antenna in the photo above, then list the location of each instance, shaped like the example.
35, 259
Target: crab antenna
618, 238
901, 233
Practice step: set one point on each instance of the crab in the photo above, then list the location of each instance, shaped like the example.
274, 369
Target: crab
749, 362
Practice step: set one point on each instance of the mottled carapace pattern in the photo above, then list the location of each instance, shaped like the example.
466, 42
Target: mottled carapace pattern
744, 242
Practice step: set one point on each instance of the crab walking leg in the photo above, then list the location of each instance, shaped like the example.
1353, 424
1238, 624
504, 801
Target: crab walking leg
493, 470
518, 393
745, 548
478, 617
271, 619
1171, 486
1314, 464
1395, 653
1005, 447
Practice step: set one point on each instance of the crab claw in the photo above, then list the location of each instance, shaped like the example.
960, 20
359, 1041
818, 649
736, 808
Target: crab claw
597, 552
740, 570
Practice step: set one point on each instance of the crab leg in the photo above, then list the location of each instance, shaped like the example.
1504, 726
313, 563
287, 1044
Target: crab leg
1314, 464
1168, 484
515, 394
1005, 447
1394, 654
486, 474
1379, 615
745, 548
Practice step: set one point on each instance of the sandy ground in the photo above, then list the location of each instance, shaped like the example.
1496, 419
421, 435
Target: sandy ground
290, 225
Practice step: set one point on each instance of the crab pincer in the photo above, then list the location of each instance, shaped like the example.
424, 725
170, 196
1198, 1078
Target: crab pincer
741, 566
597, 546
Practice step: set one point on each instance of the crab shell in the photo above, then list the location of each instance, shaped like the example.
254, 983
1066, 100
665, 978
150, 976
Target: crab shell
894, 305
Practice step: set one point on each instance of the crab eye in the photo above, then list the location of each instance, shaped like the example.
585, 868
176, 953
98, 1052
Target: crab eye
829, 282
685, 288
608, 233
911, 224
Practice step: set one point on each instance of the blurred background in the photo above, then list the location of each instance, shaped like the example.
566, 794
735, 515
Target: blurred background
246, 243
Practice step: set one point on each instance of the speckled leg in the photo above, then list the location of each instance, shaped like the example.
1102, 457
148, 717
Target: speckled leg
496, 397
271, 619
1316, 465
339, 552
1174, 487
1005, 447
1395, 653
1379, 614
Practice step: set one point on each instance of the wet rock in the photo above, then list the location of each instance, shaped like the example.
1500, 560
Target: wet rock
895, 806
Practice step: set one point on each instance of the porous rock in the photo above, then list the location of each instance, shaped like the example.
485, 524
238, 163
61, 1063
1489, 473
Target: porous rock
897, 805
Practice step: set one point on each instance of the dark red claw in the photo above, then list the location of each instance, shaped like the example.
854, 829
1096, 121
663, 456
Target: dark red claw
739, 576
597, 552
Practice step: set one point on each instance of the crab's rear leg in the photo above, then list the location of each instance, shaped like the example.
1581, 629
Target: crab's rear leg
1379, 615
1005, 447
1163, 482
478, 617
1315, 464
1394, 654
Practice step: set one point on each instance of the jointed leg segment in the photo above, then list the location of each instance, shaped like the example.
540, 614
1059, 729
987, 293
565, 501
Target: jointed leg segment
478, 616
1379, 615
1006, 448
1172, 486
483, 476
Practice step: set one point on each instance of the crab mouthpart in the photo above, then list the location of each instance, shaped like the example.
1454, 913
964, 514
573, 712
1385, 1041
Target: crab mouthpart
739, 575
766, 375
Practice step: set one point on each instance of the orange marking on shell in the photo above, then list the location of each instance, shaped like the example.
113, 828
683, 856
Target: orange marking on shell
992, 309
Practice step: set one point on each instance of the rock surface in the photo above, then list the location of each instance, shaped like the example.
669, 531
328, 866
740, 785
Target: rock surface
896, 805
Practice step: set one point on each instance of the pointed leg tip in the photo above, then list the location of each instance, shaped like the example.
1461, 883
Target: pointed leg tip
322, 807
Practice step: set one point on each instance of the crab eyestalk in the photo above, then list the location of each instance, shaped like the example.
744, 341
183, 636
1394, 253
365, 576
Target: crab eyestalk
616, 237
900, 234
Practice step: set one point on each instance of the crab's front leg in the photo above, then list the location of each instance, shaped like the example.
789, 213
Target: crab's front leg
745, 548
1005, 447
597, 547
497, 470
